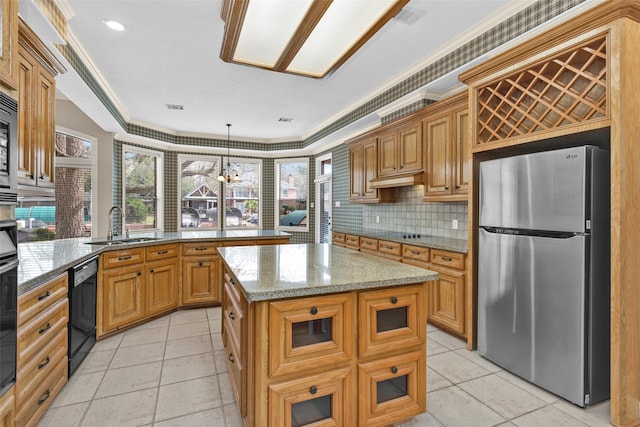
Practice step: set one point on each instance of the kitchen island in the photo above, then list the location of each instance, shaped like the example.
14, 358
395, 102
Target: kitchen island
315, 332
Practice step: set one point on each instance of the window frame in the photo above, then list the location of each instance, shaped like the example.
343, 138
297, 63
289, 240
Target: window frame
277, 163
237, 160
159, 186
186, 156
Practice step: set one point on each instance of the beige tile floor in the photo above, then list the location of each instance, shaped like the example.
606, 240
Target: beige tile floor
171, 372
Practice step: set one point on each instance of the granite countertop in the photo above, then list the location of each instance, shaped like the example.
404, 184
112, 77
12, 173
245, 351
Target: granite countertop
294, 270
444, 243
40, 261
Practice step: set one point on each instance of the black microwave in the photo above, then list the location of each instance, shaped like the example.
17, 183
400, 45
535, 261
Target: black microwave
8, 142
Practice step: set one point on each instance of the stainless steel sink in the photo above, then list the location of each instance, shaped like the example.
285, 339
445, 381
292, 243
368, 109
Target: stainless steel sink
121, 241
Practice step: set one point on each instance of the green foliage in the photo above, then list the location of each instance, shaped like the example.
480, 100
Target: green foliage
136, 210
251, 205
40, 234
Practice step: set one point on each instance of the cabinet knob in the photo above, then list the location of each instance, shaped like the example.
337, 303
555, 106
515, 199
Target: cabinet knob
138, 274
151, 271
394, 369
232, 315
446, 188
200, 264
313, 389
394, 300
401, 166
41, 177
457, 187
43, 296
314, 310
231, 358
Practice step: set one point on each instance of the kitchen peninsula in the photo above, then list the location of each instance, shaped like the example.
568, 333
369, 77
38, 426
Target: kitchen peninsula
316, 332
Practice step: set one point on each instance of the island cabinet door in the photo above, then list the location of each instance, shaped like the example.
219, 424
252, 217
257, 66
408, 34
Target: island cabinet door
123, 301
320, 400
391, 319
392, 389
309, 333
200, 279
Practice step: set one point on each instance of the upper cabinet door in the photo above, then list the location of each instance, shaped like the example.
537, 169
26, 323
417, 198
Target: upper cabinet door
438, 154
356, 170
9, 40
387, 154
370, 168
462, 152
410, 148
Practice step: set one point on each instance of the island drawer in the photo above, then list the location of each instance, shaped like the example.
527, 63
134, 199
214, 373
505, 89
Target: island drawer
35, 334
41, 298
232, 289
368, 243
203, 248
234, 365
339, 239
390, 319
391, 248
310, 332
41, 366
418, 253
30, 411
162, 252
122, 257
447, 259
392, 388
234, 314
352, 241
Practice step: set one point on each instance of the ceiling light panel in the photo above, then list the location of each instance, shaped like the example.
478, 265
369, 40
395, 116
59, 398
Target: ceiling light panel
267, 28
344, 23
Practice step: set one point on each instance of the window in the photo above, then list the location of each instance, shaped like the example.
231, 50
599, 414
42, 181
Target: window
142, 188
199, 191
292, 177
68, 211
242, 198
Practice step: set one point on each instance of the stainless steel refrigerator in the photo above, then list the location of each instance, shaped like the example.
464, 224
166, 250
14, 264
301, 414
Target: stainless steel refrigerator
543, 269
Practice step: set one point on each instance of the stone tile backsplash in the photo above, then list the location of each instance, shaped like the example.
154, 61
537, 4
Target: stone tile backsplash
411, 215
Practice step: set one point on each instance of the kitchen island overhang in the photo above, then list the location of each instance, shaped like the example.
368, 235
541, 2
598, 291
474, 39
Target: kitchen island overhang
317, 332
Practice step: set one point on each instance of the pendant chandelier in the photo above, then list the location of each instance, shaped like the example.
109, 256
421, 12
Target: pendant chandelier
227, 171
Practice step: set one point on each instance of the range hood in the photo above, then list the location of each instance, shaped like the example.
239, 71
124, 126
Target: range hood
393, 181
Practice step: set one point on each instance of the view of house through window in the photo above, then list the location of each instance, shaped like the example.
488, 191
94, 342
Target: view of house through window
141, 171
199, 191
242, 197
292, 177
64, 212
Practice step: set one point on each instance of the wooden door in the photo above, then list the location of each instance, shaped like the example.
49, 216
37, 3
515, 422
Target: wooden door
370, 168
410, 148
27, 69
201, 279
161, 286
438, 174
448, 300
356, 171
387, 154
46, 129
462, 153
123, 302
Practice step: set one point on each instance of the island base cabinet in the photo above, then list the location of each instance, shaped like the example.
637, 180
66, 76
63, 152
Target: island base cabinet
322, 400
392, 389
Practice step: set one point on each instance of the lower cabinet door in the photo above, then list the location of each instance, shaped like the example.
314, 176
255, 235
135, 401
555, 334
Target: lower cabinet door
201, 279
122, 300
448, 301
320, 400
162, 286
391, 389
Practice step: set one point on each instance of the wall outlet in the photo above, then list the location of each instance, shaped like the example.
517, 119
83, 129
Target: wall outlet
337, 203
377, 219
454, 224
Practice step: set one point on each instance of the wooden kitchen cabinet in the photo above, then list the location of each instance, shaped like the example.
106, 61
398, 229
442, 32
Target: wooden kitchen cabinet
37, 68
9, 46
8, 409
448, 153
161, 288
200, 273
448, 293
400, 149
123, 301
363, 168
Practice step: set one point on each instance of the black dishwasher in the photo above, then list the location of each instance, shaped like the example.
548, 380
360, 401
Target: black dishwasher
83, 284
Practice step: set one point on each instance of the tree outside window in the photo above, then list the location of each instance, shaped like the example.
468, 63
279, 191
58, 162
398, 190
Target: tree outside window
142, 170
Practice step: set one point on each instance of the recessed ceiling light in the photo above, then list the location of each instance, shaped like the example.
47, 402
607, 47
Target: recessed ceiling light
114, 25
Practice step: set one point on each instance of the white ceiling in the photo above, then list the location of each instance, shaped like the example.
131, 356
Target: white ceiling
169, 54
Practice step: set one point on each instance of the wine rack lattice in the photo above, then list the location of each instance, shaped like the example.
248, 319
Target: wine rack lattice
568, 89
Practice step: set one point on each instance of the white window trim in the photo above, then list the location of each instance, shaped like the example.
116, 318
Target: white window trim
182, 157
276, 163
321, 179
90, 163
159, 185
260, 195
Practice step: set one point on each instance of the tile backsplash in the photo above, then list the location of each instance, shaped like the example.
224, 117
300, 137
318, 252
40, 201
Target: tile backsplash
410, 214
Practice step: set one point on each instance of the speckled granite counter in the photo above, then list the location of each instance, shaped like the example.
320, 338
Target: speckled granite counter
444, 243
285, 271
40, 261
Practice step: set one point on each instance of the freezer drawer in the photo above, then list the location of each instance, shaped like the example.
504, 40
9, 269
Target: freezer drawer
531, 308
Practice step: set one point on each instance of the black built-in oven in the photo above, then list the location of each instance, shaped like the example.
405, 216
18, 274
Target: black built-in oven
8, 298
8, 143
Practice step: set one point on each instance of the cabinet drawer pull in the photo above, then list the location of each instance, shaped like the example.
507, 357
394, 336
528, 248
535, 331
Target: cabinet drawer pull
457, 187
394, 300
138, 273
43, 296
313, 389
44, 397
231, 281
201, 248
416, 252
314, 310
44, 362
45, 329
446, 258
401, 166
389, 247
124, 258
446, 188
394, 370
232, 315
200, 264
231, 358
151, 271
162, 252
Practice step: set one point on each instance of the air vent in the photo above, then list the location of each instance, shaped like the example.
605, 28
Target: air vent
175, 107
409, 16
285, 119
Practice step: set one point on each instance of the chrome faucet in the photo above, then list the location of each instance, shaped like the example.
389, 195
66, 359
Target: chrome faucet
110, 232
